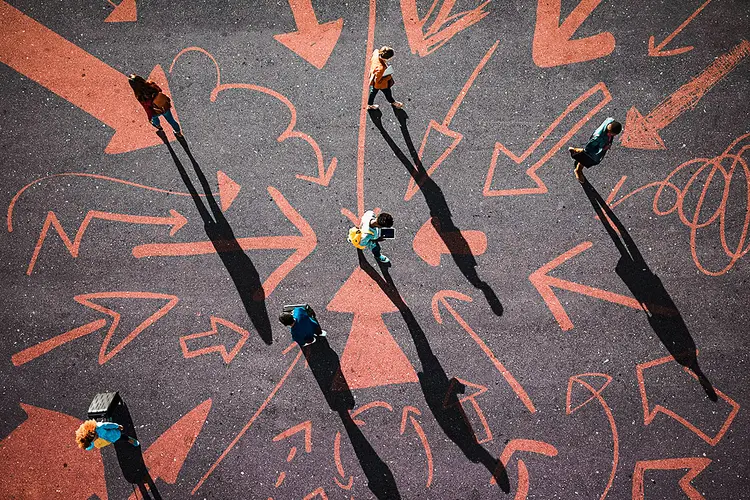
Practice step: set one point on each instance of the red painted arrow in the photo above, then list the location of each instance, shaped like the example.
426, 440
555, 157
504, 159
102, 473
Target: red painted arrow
472, 399
305, 427
227, 356
657, 51
407, 412
371, 356
694, 464
527, 445
166, 456
430, 245
441, 298
442, 128
124, 12
176, 220
228, 190
54, 466
303, 244
426, 42
312, 41
643, 132
544, 283
34, 352
78, 77
552, 44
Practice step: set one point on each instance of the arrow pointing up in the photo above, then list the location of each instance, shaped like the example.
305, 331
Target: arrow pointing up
643, 132
371, 356
78, 77
312, 41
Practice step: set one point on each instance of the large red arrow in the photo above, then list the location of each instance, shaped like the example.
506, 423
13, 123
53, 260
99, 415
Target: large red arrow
226, 355
441, 298
694, 464
643, 132
544, 283
312, 41
78, 77
430, 245
426, 42
175, 219
302, 245
552, 44
658, 50
371, 356
34, 352
442, 128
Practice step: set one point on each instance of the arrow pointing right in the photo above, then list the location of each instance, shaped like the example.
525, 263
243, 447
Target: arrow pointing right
221, 348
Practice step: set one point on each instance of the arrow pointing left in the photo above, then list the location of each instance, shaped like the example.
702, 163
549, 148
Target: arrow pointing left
62, 67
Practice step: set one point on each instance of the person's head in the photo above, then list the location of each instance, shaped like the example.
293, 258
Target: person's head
141, 88
86, 434
614, 128
385, 52
384, 220
286, 319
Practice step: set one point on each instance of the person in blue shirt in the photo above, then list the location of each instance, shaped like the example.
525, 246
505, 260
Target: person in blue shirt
594, 150
371, 234
304, 327
92, 434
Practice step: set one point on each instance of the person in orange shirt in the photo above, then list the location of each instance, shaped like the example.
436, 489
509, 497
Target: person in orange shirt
381, 77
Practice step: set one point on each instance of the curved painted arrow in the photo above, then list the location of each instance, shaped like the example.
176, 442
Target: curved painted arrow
324, 176
407, 412
441, 298
527, 445
227, 356
597, 394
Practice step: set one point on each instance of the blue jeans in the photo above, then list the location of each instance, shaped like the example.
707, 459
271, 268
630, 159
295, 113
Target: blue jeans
168, 115
376, 250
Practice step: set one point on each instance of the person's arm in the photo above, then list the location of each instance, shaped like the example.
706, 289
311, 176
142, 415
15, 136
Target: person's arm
90, 446
376, 69
154, 86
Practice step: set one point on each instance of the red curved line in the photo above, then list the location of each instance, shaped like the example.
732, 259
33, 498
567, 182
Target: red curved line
202, 51
427, 449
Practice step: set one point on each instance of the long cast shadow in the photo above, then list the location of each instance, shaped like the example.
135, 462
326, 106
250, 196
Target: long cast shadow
662, 313
130, 457
441, 217
440, 392
326, 368
241, 269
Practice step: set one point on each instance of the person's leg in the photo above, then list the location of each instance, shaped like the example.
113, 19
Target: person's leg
129, 439
376, 252
173, 122
579, 172
371, 98
155, 122
389, 97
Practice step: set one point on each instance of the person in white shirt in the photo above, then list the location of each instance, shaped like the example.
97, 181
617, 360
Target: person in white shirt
371, 234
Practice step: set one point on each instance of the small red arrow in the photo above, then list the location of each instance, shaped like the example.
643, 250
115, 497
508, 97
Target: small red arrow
544, 283
694, 464
221, 348
67, 471
371, 356
305, 427
527, 445
552, 44
442, 128
166, 456
426, 42
303, 244
312, 41
410, 412
78, 77
176, 220
643, 132
34, 352
657, 51
441, 297
430, 245
472, 399
124, 12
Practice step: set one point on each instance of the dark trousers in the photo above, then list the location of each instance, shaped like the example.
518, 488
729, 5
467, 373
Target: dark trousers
374, 92
376, 250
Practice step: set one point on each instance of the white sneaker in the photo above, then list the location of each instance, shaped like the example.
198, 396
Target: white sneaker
309, 343
372, 106
384, 259
323, 333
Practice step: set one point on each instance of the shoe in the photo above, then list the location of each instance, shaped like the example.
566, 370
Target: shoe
135, 443
309, 343
385, 260
322, 333
581, 178
372, 106
397, 104
179, 134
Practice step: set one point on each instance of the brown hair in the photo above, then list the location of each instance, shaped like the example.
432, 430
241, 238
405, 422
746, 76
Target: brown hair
141, 88
385, 52
86, 433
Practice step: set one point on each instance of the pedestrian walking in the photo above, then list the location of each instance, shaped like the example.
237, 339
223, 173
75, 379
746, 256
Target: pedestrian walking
369, 234
594, 150
303, 324
155, 102
381, 77
92, 434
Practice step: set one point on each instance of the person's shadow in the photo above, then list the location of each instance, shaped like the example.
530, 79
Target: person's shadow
241, 269
326, 368
441, 217
130, 457
440, 392
647, 288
